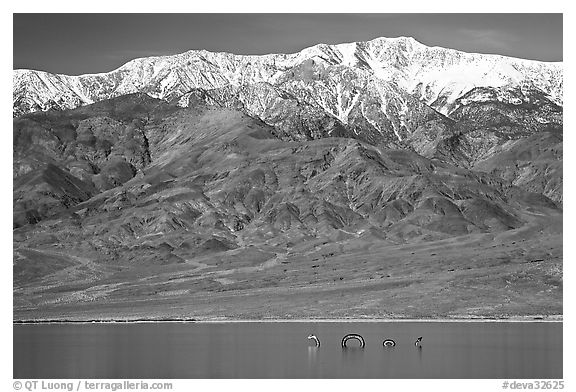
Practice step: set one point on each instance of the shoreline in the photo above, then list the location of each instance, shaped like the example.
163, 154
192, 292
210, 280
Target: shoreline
527, 319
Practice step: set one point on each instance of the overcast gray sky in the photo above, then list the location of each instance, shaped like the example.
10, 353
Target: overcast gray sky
87, 43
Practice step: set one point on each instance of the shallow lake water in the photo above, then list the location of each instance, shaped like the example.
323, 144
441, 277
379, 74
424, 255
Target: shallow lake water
510, 350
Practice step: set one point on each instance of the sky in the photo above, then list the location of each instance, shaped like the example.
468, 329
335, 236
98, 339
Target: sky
76, 44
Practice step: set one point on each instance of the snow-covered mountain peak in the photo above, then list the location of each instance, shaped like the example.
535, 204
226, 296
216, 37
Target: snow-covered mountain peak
332, 74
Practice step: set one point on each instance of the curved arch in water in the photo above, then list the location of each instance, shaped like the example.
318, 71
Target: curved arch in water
355, 336
389, 343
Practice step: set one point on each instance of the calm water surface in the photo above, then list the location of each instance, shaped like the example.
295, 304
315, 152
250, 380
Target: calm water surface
281, 350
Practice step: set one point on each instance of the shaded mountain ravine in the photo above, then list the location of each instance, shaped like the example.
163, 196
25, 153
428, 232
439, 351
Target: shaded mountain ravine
323, 184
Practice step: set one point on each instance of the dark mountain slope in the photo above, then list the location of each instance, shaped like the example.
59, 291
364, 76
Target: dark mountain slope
149, 201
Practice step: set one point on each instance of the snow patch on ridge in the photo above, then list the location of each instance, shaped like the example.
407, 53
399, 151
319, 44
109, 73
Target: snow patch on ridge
348, 52
344, 110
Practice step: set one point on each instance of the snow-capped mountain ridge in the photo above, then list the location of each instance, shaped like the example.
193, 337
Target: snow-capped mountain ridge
328, 76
